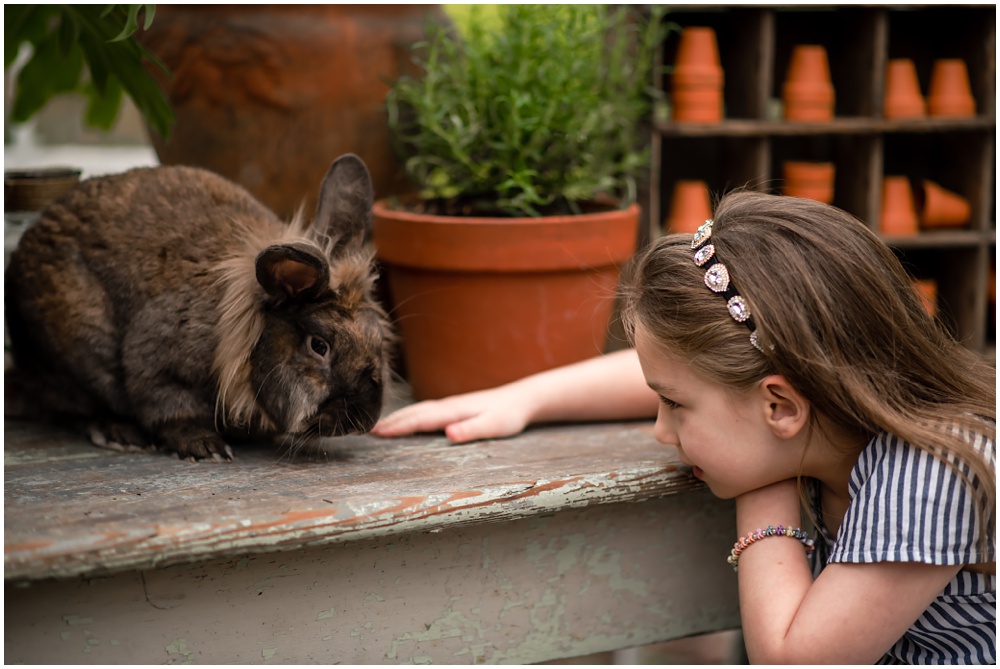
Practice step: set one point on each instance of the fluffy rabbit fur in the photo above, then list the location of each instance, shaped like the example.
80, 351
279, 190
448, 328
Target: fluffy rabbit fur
173, 310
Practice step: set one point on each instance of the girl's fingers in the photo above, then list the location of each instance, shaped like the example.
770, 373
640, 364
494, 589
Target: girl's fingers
427, 416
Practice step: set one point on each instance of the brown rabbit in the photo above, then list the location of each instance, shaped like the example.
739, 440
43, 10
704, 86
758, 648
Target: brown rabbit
174, 310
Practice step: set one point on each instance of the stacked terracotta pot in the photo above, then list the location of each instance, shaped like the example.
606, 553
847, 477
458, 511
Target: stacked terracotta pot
696, 92
807, 93
813, 180
906, 210
950, 93
689, 207
902, 91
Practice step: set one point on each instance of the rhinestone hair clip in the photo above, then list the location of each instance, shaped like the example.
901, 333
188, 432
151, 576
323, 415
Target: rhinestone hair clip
717, 280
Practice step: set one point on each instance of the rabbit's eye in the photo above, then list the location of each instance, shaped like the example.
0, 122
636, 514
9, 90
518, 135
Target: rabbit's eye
318, 346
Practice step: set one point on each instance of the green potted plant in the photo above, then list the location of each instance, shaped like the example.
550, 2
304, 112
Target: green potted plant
88, 49
523, 137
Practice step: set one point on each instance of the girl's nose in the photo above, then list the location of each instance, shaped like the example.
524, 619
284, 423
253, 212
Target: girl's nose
664, 431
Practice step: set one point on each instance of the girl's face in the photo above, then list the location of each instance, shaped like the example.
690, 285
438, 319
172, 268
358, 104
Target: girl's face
724, 436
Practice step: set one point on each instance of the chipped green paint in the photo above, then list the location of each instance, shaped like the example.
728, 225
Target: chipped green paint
557, 585
73, 619
179, 647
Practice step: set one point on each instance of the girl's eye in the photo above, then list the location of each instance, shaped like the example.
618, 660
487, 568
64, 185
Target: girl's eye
318, 346
668, 402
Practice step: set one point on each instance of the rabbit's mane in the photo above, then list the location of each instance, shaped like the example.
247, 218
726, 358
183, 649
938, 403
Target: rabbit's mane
241, 316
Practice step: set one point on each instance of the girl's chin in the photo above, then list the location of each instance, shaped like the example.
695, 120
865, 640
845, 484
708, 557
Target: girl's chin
713, 486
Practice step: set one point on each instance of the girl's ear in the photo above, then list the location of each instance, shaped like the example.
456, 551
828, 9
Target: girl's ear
786, 411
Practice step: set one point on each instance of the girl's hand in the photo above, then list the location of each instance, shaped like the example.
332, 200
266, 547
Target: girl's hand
483, 414
606, 387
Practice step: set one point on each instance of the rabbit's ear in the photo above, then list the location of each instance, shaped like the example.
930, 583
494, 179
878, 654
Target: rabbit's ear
292, 271
344, 212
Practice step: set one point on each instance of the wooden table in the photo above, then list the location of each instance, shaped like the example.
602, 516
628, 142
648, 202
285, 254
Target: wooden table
563, 541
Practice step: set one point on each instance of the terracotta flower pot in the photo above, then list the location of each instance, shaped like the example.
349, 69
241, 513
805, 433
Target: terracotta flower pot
899, 212
696, 90
483, 301
950, 93
809, 180
689, 206
808, 91
269, 95
927, 289
940, 207
902, 90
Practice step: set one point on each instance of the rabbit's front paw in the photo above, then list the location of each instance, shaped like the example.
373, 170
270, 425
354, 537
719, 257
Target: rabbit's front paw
118, 436
194, 443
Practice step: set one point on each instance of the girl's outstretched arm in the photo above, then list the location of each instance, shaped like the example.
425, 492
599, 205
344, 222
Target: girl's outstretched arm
851, 614
608, 387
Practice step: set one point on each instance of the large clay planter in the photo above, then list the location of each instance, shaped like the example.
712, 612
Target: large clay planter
690, 206
481, 301
899, 211
809, 180
902, 91
939, 207
270, 95
807, 93
950, 93
696, 83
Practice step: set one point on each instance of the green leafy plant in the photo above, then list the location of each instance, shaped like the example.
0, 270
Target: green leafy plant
65, 40
538, 113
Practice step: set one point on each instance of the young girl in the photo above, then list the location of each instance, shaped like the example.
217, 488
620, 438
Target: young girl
790, 359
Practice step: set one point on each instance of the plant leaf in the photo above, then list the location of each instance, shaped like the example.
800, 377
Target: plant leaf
67, 37
102, 109
54, 73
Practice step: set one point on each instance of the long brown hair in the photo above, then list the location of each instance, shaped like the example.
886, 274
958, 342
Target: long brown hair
836, 315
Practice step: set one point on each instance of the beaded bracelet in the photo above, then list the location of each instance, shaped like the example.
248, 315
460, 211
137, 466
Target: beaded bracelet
769, 531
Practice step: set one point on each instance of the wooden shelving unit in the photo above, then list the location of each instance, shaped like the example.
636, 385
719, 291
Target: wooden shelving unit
749, 146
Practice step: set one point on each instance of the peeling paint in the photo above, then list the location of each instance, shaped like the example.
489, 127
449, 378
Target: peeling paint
450, 625
606, 561
73, 619
179, 647
515, 492
531, 568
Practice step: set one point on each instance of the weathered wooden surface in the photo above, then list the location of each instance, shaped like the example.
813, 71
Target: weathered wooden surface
544, 587
560, 542
73, 509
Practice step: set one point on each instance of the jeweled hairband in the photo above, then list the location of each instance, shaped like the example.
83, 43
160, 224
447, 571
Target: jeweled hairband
717, 280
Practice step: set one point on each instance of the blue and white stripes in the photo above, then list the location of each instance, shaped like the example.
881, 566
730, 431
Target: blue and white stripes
909, 506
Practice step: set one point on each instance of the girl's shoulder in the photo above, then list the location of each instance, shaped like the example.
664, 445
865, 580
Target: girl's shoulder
886, 452
908, 504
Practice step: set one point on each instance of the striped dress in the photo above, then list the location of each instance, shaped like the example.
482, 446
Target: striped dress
908, 506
